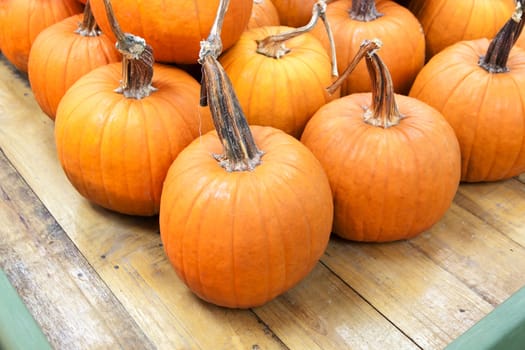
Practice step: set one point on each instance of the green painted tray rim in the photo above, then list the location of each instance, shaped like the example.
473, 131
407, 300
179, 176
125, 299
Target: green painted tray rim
18, 328
502, 328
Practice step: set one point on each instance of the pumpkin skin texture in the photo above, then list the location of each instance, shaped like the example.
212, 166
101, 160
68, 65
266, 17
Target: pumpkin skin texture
264, 13
485, 109
388, 183
23, 20
116, 150
239, 239
403, 43
294, 13
446, 22
174, 29
59, 56
283, 93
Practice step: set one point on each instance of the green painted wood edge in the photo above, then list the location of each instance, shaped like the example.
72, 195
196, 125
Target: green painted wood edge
503, 328
18, 329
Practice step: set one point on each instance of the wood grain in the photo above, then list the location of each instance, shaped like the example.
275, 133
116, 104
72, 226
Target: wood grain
73, 305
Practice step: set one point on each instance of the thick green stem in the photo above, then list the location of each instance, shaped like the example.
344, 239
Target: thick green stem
495, 60
364, 10
88, 26
383, 111
240, 151
137, 60
275, 45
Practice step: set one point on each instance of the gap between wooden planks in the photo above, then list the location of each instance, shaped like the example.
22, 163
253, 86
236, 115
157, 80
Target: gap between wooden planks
428, 290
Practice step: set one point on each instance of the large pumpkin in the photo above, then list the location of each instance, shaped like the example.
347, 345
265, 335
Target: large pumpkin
64, 52
358, 20
445, 22
23, 20
393, 162
483, 100
245, 212
175, 28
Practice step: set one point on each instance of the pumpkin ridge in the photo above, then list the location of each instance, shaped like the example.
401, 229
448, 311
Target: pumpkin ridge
468, 164
523, 122
148, 152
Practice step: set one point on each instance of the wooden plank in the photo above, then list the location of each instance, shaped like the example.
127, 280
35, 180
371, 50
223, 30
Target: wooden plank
500, 204
503, 328
18, 329
106, 239
324, 313
428, 303
127, 254
36, 253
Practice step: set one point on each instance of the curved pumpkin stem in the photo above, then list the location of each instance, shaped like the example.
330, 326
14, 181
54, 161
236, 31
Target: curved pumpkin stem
383, 111
274, 45
240, 151
88, 26
495, 60
137, 60
364, 10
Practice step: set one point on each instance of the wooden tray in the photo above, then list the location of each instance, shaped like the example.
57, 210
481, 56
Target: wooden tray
96, 279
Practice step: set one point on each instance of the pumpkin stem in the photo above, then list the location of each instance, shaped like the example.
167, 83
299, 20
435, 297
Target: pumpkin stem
274, 45
240, 151
495, 60
88, 26
364, 10
383, 111
137, 60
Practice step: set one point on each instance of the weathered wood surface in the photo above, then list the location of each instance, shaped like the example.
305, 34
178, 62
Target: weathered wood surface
96, 279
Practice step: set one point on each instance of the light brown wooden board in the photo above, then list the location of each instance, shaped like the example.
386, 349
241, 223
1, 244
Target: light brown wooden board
127, 255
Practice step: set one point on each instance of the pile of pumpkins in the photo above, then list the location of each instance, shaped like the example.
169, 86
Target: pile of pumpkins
425, 102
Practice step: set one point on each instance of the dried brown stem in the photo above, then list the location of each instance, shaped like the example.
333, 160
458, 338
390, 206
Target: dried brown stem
275, 45
364, 10
495, 60
137, 60
88, 26
240, 151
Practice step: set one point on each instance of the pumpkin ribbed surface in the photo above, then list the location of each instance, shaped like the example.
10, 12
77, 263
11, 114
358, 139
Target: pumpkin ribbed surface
239, 239
116, 150
283, 93
485, 109
175, 28
388, 183
53, 67
23, 20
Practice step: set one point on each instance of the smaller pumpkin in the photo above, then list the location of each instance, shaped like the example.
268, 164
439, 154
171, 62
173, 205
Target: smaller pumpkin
264, 13
479, 87
245, 212
294, 13
399, 30
23, 20
119, 127
446, 22
62, 53
393, 162
280, 75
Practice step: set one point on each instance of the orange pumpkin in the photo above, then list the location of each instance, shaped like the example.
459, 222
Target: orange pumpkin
64, 52
355, 21
249, 223
120, 126
393, 162
483, 100
294, 13
446, 22
280, 75
23, 20
174, 29
263, 14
